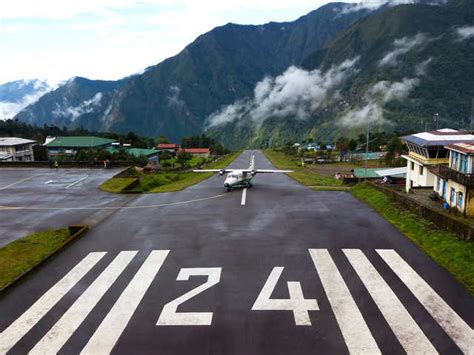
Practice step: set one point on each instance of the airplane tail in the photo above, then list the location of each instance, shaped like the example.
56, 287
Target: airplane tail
252, 162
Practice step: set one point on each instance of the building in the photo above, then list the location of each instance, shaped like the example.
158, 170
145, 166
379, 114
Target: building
69, 146
168, 147
426, 150
150, 154
16, 149
197, 152
455, 182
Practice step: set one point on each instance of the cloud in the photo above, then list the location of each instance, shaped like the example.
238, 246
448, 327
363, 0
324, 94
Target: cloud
422, 68
378, 94
296, 93
9, 108
375, 4
402, 46
74, 112
465, 32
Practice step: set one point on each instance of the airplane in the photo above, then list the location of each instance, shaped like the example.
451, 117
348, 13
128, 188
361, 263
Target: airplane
241, 177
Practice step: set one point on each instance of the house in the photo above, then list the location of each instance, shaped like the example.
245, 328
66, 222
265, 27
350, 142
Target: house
168, 147
455, 182
197, 152
426, 150
16, 149
69, 146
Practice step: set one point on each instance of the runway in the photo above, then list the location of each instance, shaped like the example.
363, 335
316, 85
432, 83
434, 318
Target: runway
274, 269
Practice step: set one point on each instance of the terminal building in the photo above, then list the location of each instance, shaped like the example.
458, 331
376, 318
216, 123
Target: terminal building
14, 149
70, 146
427, 150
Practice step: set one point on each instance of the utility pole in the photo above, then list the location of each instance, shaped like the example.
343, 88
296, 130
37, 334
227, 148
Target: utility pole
435, 119
472, 115
367, 149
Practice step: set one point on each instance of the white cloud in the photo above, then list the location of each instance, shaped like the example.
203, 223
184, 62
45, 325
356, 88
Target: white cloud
422, 68
296, 93
465, 32
375, 4
378, 94
402, 46
74, 112
10, 109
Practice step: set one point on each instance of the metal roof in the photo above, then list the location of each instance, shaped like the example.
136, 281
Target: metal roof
440, 137
395, 172
11, 141
79, 142
465, 148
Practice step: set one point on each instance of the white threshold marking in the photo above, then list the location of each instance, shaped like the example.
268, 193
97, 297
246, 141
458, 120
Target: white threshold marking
408, 333
244, 196
113, 325
57, 336
110, 207
18, 182
76, 182
460, 332
355, 331
22, 325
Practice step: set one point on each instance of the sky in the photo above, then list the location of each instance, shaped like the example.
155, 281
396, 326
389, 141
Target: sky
55, 40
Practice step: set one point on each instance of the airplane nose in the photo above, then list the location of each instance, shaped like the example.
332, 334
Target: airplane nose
226, 185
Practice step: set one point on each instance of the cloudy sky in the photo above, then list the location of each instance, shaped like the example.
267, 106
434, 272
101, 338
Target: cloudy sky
110, 39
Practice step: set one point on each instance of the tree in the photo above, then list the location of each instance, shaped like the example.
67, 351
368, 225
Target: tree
163, 140
394, 149
183, 158
342, 144
352, 145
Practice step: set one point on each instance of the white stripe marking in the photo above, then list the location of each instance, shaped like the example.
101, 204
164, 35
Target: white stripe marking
460, 332
19, 182
75, 315
109, 331
244, 196
409, 335
76, 182
356, 334
10, 336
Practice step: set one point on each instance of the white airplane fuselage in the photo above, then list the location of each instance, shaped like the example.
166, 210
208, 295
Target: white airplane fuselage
238, 178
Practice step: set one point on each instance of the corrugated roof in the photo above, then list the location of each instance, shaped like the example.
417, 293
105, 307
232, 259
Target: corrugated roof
135, 151
440, 137
79, 142
196, 150
371, 172
168, 146
462, 147
9, 141
395, 172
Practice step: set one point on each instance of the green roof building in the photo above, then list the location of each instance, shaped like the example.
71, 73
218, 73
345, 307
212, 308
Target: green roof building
71, 145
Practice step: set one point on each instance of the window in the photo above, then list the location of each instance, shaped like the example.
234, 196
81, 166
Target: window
455, 160
412, 166
463, 163
438, 184
421, 170
460, 199
453, 195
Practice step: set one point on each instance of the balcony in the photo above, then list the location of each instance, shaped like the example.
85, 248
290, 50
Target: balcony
461, 178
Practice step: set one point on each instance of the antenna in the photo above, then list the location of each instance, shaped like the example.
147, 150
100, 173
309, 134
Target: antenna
472, 114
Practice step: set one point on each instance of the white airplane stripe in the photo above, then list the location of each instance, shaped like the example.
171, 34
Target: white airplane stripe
23, 324
355, 331
75, 315
406, 330
113, 325
460, 332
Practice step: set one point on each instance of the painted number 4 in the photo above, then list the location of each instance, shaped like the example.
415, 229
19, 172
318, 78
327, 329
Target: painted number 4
296, 303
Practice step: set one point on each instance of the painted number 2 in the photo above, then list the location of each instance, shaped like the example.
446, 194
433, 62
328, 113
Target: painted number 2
169, 314
296, 303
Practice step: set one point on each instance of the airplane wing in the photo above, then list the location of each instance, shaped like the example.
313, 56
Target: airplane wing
267, 171
222, 171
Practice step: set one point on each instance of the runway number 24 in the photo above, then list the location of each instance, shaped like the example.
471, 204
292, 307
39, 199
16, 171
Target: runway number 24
296, 303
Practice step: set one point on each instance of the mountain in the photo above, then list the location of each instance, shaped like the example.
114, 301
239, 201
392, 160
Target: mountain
175, 97
404, 68
16, 95
80, 102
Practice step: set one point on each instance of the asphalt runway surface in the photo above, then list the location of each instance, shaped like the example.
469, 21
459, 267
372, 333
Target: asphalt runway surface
281, 270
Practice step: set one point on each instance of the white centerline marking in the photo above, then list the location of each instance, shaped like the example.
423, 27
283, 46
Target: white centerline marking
408, 333
58, 335
460, 332
109, 331
244, 196
355, 331
10, 336
76, 182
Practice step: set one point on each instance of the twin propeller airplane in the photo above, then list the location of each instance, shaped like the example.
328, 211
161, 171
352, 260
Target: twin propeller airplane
241, 177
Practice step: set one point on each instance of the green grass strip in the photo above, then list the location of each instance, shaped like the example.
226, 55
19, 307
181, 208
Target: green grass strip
442, 246
23, 254
303, 175
116, 185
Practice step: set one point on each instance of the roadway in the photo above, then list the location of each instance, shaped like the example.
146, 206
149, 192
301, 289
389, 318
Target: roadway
204, 271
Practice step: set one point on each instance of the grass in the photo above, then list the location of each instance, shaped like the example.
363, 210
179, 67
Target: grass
21, 255
167, 181
303, 175
442, 246
116, 185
